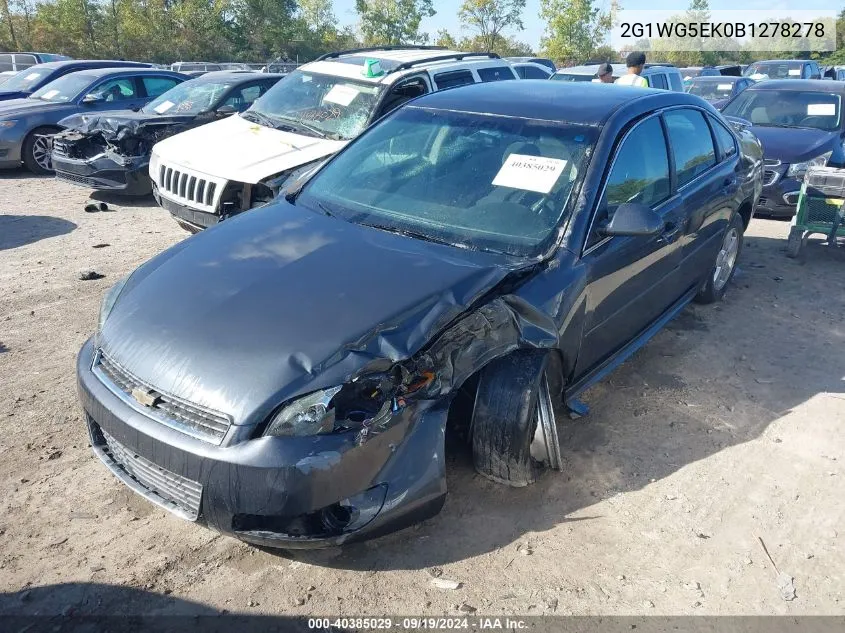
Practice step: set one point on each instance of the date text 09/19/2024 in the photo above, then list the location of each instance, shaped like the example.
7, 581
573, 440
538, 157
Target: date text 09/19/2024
418, 623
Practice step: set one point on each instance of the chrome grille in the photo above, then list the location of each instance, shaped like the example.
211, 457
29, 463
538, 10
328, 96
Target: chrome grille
188, 418
59, 147
770, 177
161, 486
188, 188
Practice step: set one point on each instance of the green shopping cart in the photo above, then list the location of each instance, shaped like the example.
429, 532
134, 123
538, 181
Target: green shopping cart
821, 209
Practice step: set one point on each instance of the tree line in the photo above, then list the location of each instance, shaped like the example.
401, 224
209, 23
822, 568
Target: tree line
164, 31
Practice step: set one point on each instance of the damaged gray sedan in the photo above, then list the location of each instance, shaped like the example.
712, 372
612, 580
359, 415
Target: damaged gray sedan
286, 376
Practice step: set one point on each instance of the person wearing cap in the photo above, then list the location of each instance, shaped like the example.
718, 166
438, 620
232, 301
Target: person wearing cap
635, 63
604, 74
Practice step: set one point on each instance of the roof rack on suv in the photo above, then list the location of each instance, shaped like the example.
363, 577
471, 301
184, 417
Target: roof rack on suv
441, 58
372, 49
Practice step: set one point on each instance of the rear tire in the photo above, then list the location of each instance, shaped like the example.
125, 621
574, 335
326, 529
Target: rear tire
513, 411
725, 265
35, 151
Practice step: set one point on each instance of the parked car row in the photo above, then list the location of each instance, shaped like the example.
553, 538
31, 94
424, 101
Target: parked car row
27, 124
111, 151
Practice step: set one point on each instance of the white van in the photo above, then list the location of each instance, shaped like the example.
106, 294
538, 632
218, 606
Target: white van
214, 171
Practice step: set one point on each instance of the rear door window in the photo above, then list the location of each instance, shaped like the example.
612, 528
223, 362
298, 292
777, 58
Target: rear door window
453, 78
658, 80
725, 140
6, 62
495, 73
156, 86
691, 143
24, 61
675, 82
532, 72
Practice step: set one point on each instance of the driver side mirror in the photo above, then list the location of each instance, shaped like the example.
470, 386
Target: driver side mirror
92, 98
635, 220
227, 109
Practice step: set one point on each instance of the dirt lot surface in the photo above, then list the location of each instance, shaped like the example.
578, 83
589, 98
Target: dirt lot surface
728, 427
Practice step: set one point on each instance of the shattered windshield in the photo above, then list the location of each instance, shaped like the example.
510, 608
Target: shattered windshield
25, 80
64, 89
470, 180
188, 98
330, 106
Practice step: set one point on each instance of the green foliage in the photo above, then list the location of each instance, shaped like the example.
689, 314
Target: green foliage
393, 21
164, 31
574, 29
490, 17
503, 46
259, 30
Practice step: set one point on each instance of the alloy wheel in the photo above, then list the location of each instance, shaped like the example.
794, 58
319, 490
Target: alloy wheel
726, 260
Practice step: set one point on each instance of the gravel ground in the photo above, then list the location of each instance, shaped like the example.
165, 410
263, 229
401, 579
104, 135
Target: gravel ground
727, 428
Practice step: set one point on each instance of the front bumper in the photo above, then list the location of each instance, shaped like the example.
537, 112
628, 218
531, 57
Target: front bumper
105, 173
272, 491
779, 199
199, 220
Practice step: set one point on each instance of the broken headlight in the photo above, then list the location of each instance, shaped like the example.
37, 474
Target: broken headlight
108, 302
308, 415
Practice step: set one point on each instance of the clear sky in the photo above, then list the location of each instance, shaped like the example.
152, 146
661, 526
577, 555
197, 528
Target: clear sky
447, 12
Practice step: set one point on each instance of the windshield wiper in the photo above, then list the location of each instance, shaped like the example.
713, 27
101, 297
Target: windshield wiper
410, 233
261, 119
299, 126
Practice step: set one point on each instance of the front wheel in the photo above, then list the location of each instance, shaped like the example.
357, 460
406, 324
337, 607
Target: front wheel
35, 151
514, 432
725, 265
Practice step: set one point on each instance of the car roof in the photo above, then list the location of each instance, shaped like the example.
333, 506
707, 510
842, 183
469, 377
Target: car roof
228, 75
589, 69
717, 79
98, 73
350, 63
803, 85
529, 63
777, 61
581, 103
88, 62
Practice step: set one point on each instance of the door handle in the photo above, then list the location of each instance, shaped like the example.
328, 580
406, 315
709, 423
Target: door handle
671, 231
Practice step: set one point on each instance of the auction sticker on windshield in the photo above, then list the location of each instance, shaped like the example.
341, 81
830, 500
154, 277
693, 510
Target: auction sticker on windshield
530, 173
821, 109
31, 76
794, 72
50, 94
723, 87
341, 95
164, 106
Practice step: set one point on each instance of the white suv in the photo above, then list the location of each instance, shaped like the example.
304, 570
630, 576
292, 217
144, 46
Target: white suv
214, 171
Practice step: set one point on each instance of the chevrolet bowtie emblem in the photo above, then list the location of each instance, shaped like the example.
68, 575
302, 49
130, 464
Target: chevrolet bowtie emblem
145, 397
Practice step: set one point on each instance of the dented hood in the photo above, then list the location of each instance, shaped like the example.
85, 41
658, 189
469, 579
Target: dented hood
281, 301
240, 150
118, 123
